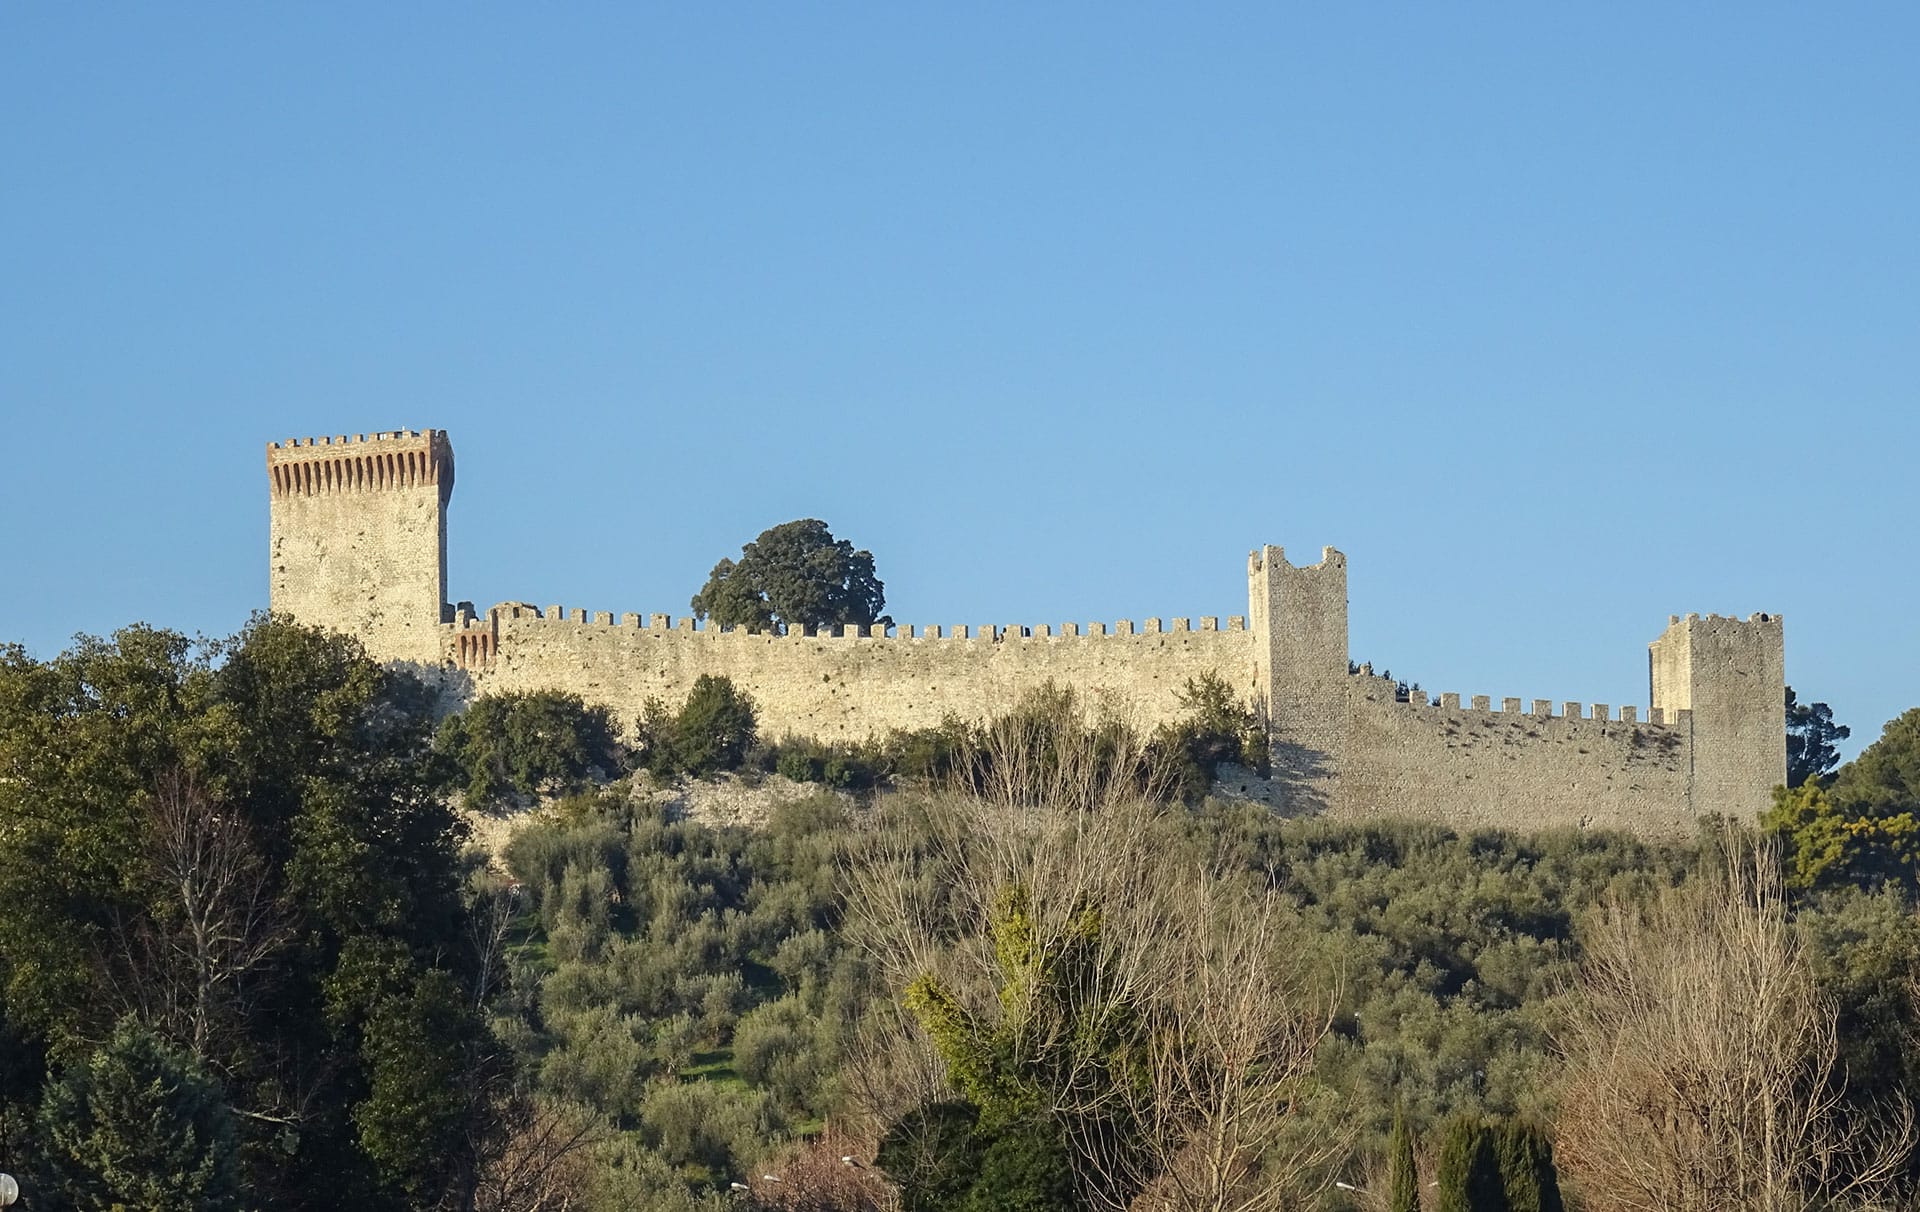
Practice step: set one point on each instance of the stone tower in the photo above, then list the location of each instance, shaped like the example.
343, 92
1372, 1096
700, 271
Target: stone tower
1730, 676
1300, 665
359, 537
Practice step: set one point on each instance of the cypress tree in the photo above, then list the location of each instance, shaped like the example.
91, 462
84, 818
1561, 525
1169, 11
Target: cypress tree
1403, 1179
1469, 1170
1547, 1175
1526, 1169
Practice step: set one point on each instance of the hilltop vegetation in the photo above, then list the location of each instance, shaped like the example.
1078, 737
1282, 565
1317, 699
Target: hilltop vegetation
233, 863
1026, 963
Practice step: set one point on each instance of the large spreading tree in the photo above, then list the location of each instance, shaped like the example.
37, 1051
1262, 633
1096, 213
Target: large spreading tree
245, 849
795, 574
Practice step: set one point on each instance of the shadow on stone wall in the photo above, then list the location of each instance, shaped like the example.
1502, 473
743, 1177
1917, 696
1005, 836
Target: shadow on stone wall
453, 688
1301, 776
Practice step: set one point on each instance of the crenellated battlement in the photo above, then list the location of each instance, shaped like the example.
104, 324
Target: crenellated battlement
396, 459
1385, 690
324, 442
475, 639
1696, 617
358, 530
687, 624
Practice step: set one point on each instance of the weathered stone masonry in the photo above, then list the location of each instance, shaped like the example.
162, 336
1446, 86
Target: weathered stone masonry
358, 543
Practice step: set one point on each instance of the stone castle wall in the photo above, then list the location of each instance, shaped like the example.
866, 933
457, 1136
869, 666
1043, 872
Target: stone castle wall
359, 543
846, 687
1444, 762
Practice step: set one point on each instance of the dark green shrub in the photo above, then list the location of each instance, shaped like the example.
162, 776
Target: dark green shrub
712, 732
844, 767
530, 743
1024, 1168
715, 728
944, 1160
927, 755
1218, 728
798, 760
921, 755
653, 737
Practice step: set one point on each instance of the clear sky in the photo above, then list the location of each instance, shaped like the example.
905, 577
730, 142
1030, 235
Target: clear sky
1555, 321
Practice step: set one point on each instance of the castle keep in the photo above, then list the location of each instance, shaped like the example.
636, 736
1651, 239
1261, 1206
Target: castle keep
358, 542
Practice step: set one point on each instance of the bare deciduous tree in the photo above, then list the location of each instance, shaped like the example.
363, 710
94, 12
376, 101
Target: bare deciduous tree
1231, 1046
827, 1174
185, 966
1702, 1057
489, 920
1224, 1030
541, 1161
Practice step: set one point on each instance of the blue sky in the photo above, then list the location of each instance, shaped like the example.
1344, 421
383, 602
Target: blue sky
1556, 322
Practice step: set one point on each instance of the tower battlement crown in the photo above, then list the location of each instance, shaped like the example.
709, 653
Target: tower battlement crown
398, 458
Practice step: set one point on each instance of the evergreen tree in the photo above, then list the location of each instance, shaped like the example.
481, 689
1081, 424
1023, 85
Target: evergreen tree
1885, 779
1403, 1177
529, 742
795, 574
1862, 825
1526, 1169
1811, 732
716, 727
712, 731
137, 1125
1469, 1169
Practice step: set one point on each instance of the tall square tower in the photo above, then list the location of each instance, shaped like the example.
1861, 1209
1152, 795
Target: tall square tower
1729, 674
358, 532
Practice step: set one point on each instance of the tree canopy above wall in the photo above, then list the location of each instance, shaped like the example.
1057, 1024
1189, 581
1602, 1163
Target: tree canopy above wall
795, 574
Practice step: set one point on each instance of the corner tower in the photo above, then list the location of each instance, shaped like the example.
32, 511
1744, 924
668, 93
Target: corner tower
1300, 665
1730, 675
358, 531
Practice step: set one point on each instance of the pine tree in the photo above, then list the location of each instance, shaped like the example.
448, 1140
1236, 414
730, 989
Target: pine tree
1403, 1179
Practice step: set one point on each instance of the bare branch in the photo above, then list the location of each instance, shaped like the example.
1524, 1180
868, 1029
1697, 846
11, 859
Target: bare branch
1199, 963
191, 963
1702, 1058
